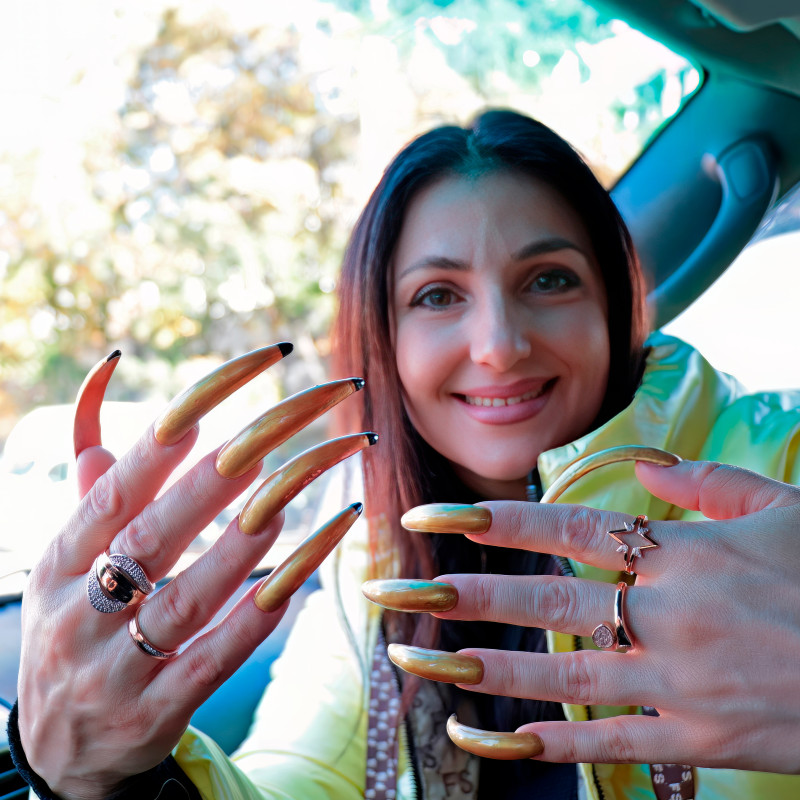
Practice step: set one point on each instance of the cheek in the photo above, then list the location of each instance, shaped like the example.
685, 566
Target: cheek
413, 360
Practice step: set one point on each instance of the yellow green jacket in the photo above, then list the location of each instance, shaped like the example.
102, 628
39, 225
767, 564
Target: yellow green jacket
308, 740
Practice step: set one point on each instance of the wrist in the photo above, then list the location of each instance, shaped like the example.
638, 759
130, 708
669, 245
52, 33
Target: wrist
166, 781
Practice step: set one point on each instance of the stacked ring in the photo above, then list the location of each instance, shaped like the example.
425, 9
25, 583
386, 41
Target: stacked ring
615, 637
142, 641
630, 554
116, 581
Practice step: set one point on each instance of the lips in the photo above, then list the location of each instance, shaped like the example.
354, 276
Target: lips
506, 405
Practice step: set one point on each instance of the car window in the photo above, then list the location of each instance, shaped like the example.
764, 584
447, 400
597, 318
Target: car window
745, 323
177, 180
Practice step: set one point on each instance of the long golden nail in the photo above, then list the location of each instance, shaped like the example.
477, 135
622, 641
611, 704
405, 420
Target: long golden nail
86, 428
490, 744
188, 407
280, 423
402, 594
437, 665
611, 455
289, 576
447, 518
288, 481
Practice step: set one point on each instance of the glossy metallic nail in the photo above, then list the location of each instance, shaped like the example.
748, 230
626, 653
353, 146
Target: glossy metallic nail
447, 518
490, 744
289, 576
280, 423
437, 665
611, 455
401, 594
191, 405
288, 481
86, 428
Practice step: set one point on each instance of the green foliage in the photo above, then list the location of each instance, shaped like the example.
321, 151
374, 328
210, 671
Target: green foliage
213, 205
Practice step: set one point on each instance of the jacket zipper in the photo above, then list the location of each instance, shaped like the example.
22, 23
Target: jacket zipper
407, 745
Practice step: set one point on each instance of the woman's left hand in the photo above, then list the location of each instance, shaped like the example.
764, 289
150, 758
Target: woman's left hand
714, 616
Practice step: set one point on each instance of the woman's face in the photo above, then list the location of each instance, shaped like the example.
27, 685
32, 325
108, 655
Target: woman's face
499, 321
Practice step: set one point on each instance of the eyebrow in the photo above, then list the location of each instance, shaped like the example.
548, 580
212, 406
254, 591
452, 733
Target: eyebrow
539, 247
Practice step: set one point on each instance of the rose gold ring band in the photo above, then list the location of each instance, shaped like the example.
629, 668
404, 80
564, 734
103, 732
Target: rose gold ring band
143, 643
615, 637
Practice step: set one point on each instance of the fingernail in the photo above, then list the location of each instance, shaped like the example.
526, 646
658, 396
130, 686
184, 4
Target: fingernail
289, 576
402, 594
86, 428
611, 455
183, 413
491, 744
447, 518
288, 481
437, 665
280, 423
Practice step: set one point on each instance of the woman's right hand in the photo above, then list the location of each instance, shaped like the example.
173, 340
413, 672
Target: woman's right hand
94, 708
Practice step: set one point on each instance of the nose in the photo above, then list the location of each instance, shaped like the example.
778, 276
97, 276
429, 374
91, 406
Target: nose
499, 335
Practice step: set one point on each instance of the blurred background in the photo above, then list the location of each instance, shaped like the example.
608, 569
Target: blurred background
178, 179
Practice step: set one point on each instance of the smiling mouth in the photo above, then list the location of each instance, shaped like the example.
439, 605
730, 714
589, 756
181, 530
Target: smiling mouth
498, 402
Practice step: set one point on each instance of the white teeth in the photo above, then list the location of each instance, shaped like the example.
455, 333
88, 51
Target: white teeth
495, 402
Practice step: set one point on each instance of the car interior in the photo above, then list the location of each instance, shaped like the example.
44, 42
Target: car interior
693, 199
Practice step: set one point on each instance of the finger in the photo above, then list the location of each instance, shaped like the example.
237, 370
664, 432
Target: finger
567, 605
189, 601
718, 491
116, 497
280, 423
212, 658
134, 480
158, 535
576, 532
86, 428
626, 739
91, 463
581, 678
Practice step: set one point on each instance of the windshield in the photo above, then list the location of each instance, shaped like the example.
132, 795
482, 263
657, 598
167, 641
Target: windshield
178, 180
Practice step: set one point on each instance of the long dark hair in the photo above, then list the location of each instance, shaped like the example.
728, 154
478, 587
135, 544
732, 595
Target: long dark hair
403, 471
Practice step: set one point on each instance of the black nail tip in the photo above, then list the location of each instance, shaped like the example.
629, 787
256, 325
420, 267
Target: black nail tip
358, 383
357, 507
372, 438
285, 348
112, 356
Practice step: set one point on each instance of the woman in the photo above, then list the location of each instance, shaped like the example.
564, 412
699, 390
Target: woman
492, 301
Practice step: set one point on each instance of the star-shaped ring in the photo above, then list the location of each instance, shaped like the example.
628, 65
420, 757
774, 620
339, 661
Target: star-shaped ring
630, 553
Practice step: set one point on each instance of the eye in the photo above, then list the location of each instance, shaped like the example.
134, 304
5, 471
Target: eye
435, 297
555, 281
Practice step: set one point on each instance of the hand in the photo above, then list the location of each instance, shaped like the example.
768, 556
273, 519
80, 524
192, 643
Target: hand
94, 708
714, 614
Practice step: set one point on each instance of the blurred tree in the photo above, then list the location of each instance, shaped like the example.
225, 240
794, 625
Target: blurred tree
208, 213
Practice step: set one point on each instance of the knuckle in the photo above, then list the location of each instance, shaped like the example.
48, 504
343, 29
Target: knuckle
483, 597
576, 680
181, 608
579, 529
617, 745
556, 602
518, 521
104, 503
139, 542
204, 670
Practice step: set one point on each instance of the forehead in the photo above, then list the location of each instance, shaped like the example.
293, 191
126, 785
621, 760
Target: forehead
461, 216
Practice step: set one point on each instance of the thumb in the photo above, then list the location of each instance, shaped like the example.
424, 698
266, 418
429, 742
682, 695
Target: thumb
91, 464
718, 491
